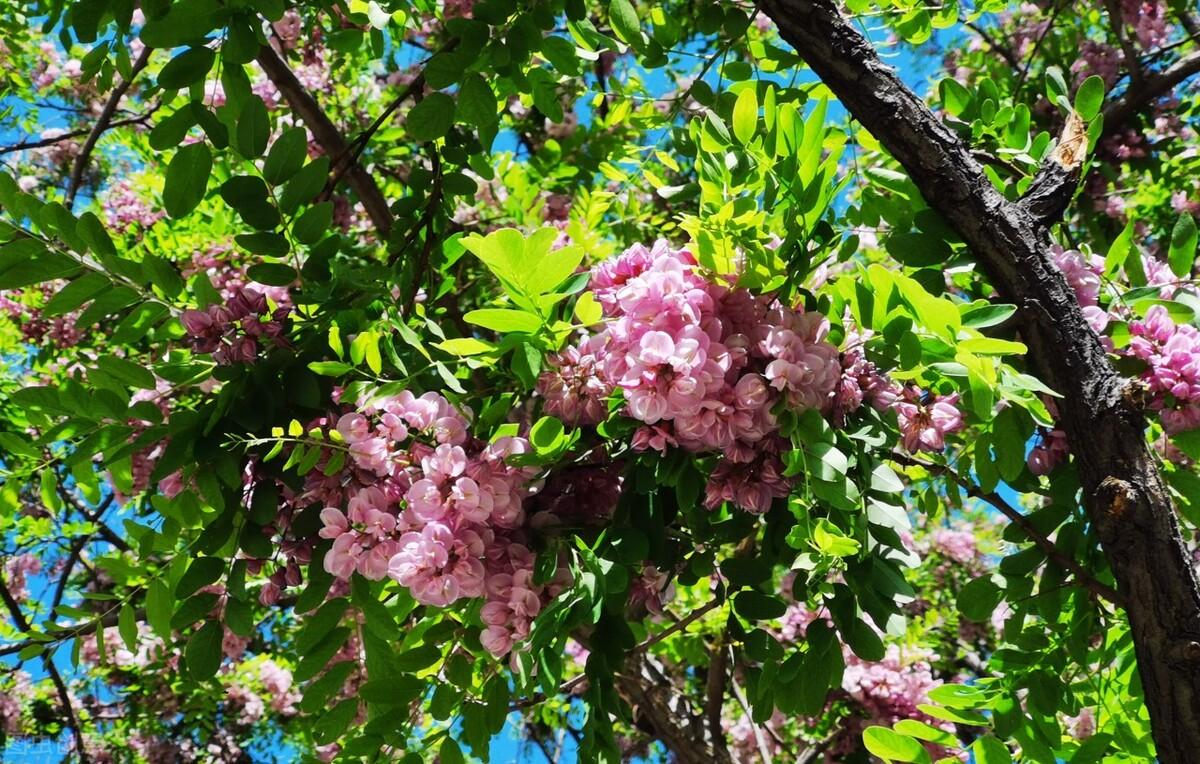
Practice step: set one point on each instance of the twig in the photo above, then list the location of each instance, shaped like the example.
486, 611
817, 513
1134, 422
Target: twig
1058, 6
1005, 52
763, 751
425, 222
1021, 521
14, 609
141, 118
327, 135
1117, 21
343, 162
714, 689
106, 115
645, 644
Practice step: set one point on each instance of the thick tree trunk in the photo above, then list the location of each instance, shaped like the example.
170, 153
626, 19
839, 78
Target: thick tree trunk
1123, 493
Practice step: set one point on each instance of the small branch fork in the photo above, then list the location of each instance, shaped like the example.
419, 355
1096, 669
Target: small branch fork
18, 618
1018, 519
102, 124
328, 136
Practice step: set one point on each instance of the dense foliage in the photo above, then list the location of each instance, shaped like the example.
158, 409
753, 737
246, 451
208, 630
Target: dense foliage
381, 378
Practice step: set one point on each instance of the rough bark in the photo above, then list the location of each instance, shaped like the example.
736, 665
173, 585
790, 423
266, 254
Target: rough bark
1124, 496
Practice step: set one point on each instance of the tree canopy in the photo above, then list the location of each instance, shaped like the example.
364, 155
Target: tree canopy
721, 382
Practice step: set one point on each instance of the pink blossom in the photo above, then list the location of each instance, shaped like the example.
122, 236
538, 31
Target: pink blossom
925, 421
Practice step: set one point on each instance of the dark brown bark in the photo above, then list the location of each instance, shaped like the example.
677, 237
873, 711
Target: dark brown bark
659, 708
1122, 491
328, 136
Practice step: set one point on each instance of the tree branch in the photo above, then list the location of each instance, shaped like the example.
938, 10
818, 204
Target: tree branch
1054, 186
1053, 553
1153, 86
714, 689
140, 119
669, 716
1127, 503
1005, 52
106, 115
1117, 21
328, 136
14, 609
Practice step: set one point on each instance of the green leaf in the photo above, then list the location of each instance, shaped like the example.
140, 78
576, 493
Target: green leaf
330, 368
1183, 246
253, 128
1089, 98
23, 264
431, 118
203, 650
587, 310
625, 22
1118, 251
745, 114
560, 52
306, 184
892, 746
170, 132
917, 250
202, 572
92, 232
186, 179
546, 435
477, 102
449, 752
955, 98
958, 696
756, 606
132, 374
312, 226
319, 691
159, 607
76, 293
830, 540
263, 243
127, 626
286, 156
335, 722
272, 274
504, 320
465, 346
190, 66
320, 624
989, 750
923, 731
991, 346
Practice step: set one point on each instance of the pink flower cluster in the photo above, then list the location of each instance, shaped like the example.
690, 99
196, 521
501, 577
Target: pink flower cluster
37, 329
1084, 274
883, 692
926, 419
444, 515
701, 365
1149, 21
126, 210
1172, 355
887, 691
861, 382
231, 332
